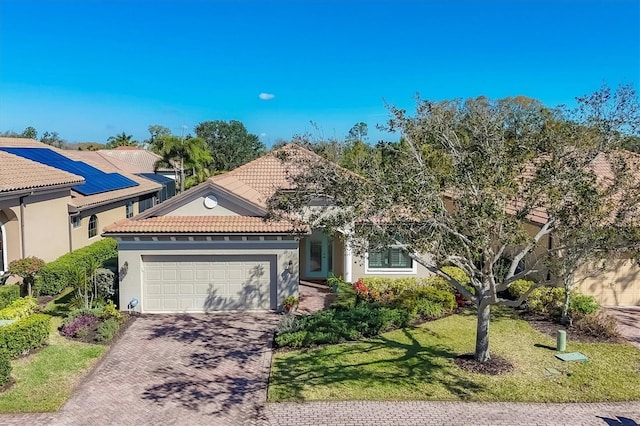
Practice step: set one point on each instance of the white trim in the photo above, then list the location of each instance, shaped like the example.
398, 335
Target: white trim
4, 247
389, 271
348, 262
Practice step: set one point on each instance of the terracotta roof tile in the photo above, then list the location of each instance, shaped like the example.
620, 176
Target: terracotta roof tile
103, 162
19, 173
201, 224
22, 142
143, 160
259, 179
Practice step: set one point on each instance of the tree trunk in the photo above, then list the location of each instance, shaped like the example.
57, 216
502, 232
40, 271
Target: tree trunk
182, 175
565, 304
482, 332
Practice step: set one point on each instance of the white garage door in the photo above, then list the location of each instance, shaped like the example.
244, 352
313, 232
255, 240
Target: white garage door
207, 283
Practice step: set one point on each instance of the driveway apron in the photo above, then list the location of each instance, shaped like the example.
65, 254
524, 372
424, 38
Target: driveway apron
180, 369
628, 318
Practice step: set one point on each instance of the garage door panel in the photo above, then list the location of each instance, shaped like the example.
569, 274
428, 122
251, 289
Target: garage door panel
196, 285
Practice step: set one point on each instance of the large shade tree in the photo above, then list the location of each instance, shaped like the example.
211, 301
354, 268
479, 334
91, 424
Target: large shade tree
482, 185
230, 143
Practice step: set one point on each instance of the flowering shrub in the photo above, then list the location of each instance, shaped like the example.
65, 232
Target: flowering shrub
79, 326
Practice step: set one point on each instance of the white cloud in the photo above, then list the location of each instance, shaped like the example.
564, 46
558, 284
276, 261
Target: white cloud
263, 135
266, 96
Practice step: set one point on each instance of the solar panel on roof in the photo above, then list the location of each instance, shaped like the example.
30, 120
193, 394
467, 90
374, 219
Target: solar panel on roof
96, 181
155, 177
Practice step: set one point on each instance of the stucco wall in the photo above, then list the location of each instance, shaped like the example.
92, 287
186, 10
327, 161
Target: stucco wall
44, 218
131, 272
196, 208
611, 282
106, 214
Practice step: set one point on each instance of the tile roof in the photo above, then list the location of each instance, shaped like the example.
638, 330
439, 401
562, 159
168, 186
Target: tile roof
49, 174
259, 179
202, 225
19, 173
143, 160
22, 142
103, 162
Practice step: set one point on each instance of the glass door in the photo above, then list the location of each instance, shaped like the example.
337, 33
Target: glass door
317, 255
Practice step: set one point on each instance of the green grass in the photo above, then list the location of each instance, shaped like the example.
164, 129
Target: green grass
59, 306
45, 380
418, 364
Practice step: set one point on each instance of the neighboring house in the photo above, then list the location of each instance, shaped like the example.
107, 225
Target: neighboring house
210, 248
52, 203
143, 160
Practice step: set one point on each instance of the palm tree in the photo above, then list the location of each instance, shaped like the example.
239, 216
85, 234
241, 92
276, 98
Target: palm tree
121, 140
184, 155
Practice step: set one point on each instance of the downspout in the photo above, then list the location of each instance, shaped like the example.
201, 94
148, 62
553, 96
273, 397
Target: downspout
22, 240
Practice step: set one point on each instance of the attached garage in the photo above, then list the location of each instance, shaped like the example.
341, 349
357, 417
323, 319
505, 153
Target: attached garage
208, 283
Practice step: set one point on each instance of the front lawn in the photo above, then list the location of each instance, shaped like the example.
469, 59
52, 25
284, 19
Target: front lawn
45, 380
418, 364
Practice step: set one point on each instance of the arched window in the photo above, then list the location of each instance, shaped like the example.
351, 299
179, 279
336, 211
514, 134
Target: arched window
93, 226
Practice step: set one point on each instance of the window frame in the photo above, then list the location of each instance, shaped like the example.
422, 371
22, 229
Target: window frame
128, 210
93, 220
76, 221
413, 270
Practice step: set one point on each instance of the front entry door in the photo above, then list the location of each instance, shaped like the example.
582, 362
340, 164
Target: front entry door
318, 256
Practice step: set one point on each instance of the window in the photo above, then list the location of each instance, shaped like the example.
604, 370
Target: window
391, 260
93, 226
129, 208
146, 203
76, 221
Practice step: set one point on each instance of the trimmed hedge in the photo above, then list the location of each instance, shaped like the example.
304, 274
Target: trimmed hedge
55, 276
20, 308
9, 293
549, 300
5, 368
25, 334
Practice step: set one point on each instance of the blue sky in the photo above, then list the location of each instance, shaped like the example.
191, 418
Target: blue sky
90, 69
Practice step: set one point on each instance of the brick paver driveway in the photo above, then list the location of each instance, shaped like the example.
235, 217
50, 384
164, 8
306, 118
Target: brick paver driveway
182, 370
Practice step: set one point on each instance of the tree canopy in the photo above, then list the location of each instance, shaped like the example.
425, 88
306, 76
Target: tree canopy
230, 143
188, 157
482, 184
121, 139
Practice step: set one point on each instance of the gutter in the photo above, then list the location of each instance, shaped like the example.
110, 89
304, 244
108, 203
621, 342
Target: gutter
32, 191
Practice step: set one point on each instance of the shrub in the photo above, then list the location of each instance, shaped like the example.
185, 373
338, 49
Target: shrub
8, 293
20, 308
96, 312
291, 339
109, 311
25, 334
581, 304
27, 269
598, 325
519, 287
429, 309
5, 367
338, 325
345, 295
107, 330
79, 327
56, 275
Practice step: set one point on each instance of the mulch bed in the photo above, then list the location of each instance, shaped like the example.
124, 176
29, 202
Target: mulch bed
496, 365
544, 324
91, 336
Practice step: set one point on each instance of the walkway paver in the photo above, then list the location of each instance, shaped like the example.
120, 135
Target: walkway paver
410, 413
628, 322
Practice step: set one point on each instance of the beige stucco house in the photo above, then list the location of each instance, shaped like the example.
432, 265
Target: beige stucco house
44, 210
211, 249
